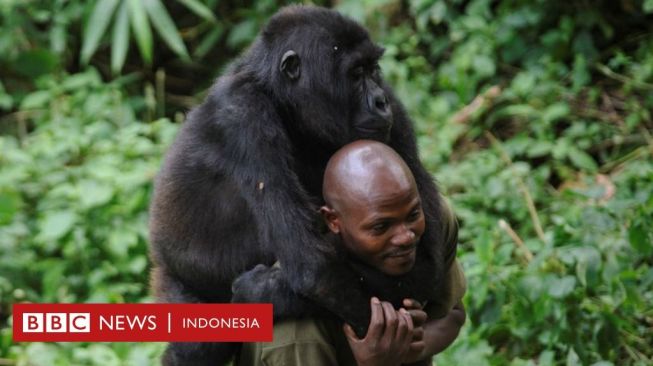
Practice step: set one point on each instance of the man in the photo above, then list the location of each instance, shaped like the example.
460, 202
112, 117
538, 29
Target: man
373, 206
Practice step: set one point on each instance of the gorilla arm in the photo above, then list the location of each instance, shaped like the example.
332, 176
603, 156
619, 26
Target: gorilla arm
286, 223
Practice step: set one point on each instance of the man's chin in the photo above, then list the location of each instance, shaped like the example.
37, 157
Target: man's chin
399, 265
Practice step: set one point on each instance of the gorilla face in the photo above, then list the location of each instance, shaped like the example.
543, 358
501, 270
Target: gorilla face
330, 79
373, 118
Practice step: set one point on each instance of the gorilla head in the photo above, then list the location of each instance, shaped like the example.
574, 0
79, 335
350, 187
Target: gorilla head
323, 70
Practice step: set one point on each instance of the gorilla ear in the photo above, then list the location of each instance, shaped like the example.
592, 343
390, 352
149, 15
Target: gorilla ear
290, 65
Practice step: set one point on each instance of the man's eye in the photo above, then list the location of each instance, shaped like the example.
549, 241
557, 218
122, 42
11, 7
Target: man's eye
379, 228
414, 215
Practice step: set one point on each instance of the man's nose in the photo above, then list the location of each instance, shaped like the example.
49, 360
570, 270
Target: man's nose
405, 236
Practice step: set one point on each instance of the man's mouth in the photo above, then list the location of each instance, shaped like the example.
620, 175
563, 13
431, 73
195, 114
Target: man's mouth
402, 253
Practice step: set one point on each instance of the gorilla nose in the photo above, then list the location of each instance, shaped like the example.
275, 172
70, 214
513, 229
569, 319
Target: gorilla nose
379, 104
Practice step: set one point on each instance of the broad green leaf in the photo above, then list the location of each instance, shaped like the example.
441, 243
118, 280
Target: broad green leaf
588, 265
58, 38
437, 12
539, 148
41, 354
561, 287
119, 242
546, 358
142, 31
523, 83
517, 110
484, 249
56, 224
51, 279
580, 75
120, 39
200, 9
572, 358
555, 111
96, 27
6, 101
581, 159
561, 149
531, 286
36, 62
138, 264
37, 99
93, 194
640, 239
81, 80
10, 203
98, 354
166, 27
484, 65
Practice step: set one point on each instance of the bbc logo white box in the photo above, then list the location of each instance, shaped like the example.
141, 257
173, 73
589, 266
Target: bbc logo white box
56, 322
33, 322
79, 322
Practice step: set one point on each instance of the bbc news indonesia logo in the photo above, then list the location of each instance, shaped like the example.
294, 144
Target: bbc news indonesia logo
142, 322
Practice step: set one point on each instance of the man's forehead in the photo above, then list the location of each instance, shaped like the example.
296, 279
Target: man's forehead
364, 171
377, 196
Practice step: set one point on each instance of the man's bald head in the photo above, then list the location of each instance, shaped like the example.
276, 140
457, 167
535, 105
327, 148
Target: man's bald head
362, 170
373, 205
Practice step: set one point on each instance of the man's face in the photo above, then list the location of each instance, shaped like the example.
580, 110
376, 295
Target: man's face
382, 228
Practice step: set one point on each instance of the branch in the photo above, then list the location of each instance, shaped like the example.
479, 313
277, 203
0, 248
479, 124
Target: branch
526, 253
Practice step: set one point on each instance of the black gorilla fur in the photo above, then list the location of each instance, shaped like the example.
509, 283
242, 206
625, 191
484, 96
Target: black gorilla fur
242, 182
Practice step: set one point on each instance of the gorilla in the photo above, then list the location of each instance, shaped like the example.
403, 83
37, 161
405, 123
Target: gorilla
241, 184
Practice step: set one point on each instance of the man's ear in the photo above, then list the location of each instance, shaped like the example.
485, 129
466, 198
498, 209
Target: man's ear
331, 218
290, 65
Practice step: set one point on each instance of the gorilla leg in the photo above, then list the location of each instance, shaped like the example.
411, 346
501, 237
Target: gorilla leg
170, 290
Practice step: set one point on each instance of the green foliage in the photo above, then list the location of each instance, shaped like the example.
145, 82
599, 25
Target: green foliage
138, 14
74, 194
535, 117
21, 27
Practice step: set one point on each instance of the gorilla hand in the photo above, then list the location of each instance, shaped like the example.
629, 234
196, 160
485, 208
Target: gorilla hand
267, 284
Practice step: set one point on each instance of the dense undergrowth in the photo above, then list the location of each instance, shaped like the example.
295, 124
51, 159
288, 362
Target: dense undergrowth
534, 116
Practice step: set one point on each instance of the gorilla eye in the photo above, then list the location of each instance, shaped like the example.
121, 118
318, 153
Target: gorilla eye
358, 72
376, 70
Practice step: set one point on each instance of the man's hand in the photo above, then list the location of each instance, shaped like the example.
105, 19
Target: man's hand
388, 338
437, 334
417, 345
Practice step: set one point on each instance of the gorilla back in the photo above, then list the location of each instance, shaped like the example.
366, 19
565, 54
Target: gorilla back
241, 184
